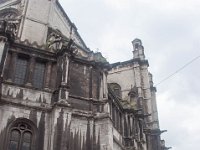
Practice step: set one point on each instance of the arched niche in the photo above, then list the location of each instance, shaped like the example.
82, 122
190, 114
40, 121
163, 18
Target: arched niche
9, 14
116, 88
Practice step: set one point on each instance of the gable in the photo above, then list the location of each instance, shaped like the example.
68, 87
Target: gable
44, 14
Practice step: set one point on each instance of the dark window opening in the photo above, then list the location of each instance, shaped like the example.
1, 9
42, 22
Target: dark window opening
20, 137
20, 70
117, 92
116, 88
116, 117
38, 76
14, 140
136, 45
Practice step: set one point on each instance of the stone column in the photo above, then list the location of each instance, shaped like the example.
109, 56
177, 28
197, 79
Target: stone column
91, 83
105, 88
64, 68
138, 85
146, 94
30, 72
3, 53
48, 75
5, 69
154, 103
3, 41
104, 128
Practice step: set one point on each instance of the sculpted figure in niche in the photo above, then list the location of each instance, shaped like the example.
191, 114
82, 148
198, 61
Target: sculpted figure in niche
54, 42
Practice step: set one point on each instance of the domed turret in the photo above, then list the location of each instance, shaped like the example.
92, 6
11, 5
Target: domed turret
138, 49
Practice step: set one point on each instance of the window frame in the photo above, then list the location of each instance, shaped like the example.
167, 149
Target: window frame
22, 57
39, 61
32, 129
116, 88
28, 69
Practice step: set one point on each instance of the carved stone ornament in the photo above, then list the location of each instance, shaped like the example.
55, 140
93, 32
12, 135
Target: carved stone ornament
9, 22
9, 28
69, 47
56, 42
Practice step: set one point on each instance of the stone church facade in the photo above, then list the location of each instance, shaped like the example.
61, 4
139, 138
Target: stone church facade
56, 94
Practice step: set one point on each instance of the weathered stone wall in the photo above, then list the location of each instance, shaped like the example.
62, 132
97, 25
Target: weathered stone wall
42, 14
24, 95
36, 20
79, 79
124, 76
84, 80
104, 130
116, 146
96, 77
72, 110
8, 114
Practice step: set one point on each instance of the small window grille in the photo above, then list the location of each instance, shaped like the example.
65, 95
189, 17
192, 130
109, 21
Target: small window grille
20, 138
38, 77
20, 70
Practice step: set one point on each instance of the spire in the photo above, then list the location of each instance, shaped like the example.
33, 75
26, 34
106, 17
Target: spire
138, 49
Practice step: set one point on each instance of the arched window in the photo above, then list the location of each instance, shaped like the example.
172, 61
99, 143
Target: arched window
21, 136
116, 88
133, 94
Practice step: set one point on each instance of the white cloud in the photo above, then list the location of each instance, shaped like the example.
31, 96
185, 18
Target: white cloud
118, 4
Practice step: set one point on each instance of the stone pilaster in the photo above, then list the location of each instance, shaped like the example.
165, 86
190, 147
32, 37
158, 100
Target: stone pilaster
64, 70
11, 75
48, 75
104, 127
30, 72
3, 52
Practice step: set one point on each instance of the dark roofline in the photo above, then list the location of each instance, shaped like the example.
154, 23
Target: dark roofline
112, 95
130, 62
73, 25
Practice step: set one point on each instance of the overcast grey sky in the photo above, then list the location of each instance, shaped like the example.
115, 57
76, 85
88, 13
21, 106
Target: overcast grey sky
170, 32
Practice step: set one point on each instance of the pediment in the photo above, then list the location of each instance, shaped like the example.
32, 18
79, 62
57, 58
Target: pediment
9, 14
11, 9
